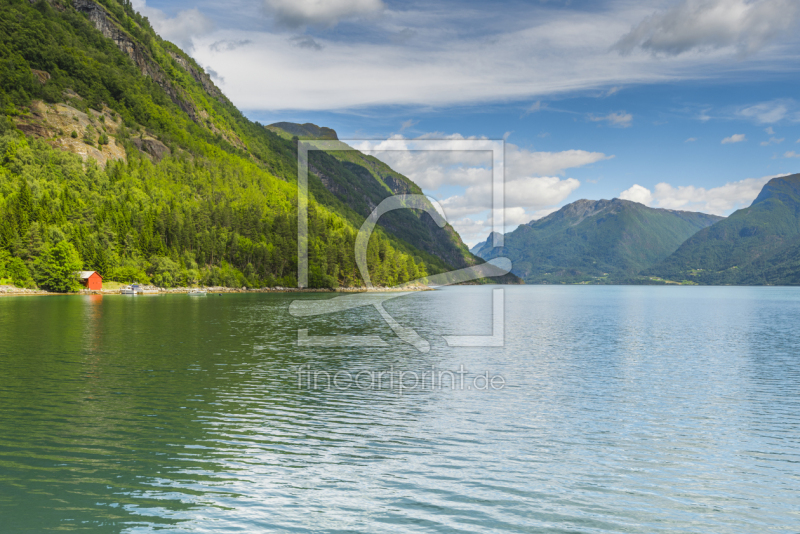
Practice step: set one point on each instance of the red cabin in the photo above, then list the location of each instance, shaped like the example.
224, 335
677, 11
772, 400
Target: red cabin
91, 280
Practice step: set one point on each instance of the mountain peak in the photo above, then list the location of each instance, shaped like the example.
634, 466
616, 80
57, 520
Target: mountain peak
484, 246
584, 208
596, 241
784, 188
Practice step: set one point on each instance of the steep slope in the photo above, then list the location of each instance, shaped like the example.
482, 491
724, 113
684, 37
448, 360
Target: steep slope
756, 245
362, 182
602, 241
135, 158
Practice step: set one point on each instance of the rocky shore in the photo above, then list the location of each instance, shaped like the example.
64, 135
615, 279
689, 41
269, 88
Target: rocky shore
11, 290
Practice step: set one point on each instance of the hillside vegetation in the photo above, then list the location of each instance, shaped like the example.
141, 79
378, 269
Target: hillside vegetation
603, 241
117, 148
754, 246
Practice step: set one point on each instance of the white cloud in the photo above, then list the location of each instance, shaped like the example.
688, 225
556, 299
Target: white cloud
735, 138
410, 123
434, 169
769, 131
228, 45
718, 200
768, 112
182, 30
791, 154
691, 140
324, 13
532, 188
620, 119
533, 108
638, 193
473, 231
521, 162
541, 52
693, 25
773, 141
529, 192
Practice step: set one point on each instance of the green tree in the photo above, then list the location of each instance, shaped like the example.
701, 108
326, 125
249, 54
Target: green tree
57, 269
19, 273
165, 272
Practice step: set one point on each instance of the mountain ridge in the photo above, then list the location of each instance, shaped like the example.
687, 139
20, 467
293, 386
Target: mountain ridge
600, 241
757, 245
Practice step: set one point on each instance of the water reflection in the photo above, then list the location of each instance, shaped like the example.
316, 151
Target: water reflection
626, 409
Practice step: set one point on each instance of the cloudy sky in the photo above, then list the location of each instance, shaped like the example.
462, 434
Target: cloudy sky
680, 104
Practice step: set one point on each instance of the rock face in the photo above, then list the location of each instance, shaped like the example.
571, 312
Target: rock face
152, 147
104, 23
55, 123
42, 76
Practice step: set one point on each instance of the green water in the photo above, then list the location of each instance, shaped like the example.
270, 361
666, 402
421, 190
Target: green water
623, 409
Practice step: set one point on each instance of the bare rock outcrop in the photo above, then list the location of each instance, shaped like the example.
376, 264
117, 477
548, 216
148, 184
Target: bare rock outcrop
152, 147
140, 57
41, 76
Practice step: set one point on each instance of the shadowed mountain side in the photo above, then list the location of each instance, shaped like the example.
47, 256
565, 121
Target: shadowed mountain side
362, 182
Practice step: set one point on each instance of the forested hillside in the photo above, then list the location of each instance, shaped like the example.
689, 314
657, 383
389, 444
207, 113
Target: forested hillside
754, 246
120, 155
599, 241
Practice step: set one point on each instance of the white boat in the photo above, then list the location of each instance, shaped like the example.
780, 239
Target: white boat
197, 293
129, 290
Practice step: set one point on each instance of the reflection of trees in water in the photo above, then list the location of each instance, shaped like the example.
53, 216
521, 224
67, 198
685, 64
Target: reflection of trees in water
124, 411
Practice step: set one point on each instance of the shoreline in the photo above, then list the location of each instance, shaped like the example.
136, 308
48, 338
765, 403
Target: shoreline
11, 291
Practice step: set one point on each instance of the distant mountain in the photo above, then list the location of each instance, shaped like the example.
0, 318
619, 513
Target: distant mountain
754, 246
600, 241
484, 247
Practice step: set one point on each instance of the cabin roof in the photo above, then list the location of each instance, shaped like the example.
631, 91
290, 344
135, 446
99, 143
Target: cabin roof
83, 275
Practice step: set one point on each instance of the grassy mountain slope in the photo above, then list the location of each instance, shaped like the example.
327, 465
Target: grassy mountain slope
756, 245
119, 144
603, 240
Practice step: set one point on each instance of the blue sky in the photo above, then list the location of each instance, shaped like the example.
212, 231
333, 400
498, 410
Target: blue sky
681, 104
